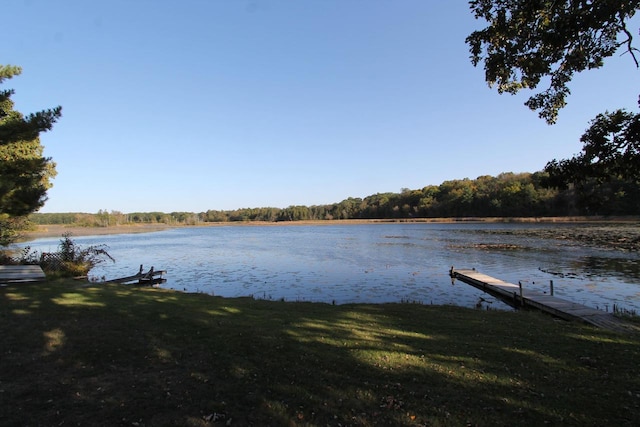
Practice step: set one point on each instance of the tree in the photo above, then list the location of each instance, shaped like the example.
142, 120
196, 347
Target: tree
527, 40
24, 172
606, 174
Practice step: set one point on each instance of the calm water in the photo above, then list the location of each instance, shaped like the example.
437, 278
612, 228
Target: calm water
367, 263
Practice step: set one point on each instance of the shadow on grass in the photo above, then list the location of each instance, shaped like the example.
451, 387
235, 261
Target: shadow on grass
113, 355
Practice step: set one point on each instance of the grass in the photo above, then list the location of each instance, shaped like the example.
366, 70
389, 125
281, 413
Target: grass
115, 355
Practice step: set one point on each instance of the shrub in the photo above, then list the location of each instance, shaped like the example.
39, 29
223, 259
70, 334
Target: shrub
19, 257
73, 260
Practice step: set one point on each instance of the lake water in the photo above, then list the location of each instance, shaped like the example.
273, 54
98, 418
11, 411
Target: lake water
368, 263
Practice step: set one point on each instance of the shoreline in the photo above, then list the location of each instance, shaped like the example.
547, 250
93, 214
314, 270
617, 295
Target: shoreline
58, 230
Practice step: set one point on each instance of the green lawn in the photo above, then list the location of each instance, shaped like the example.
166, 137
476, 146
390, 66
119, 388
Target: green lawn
116, 355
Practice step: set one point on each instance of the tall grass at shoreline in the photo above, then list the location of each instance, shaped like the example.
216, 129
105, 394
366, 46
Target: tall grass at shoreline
115, 355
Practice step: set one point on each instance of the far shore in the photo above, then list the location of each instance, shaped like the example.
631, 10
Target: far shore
58, 230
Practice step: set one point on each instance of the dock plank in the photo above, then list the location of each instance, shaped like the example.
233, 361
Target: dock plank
21, 273
559, 307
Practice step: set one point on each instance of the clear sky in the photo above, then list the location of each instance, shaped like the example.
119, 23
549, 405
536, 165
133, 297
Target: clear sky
190, 105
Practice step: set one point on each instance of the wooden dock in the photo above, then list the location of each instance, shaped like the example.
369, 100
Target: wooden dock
517, 297
150, 278
21, 274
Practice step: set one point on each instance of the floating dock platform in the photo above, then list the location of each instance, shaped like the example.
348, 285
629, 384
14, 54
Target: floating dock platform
150, 278
516, 296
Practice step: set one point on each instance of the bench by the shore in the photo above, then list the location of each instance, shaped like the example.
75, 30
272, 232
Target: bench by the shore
21, 273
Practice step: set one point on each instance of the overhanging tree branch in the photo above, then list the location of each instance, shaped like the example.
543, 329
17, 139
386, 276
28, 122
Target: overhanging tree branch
629, 42
525, 41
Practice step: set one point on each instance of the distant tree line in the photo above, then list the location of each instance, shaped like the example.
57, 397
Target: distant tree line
105, 218
506, 195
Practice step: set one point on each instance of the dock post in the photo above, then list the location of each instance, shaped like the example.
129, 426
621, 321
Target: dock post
521, 298
551, 286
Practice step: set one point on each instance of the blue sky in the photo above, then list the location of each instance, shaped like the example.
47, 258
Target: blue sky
190, 105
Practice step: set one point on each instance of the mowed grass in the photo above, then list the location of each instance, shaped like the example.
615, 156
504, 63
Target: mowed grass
116, 355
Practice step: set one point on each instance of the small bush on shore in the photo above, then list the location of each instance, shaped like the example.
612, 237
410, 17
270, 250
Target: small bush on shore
72, 260
23, 257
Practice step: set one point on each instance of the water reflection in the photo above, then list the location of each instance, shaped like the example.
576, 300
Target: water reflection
370, 263
615, 267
